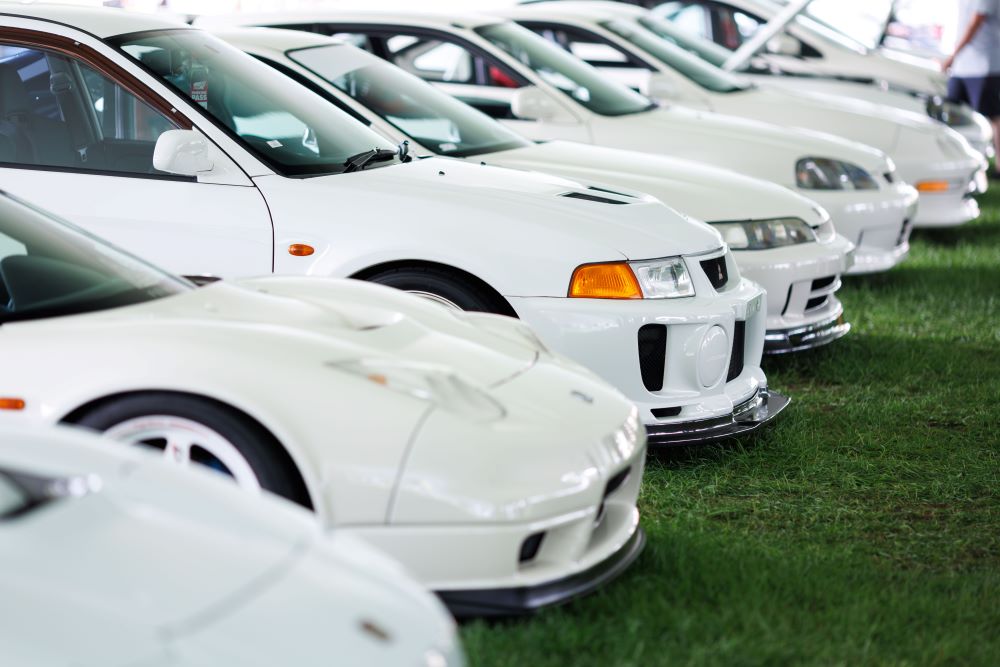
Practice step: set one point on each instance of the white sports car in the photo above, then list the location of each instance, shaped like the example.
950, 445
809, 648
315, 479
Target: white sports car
803, 44
974, 126
394, 419
618, 40
169, 142
111, 558
545, 93
781, 240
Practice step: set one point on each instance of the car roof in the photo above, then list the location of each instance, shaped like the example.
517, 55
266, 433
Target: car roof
274, 39
585, 10
102, 22
415, 18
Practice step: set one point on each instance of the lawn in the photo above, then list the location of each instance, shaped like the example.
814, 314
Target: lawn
864, 529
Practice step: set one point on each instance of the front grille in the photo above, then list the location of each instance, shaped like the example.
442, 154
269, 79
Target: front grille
816, 302
736, 358
716, 271
653, 355
820, 283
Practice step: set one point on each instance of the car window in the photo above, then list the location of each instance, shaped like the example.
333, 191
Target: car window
691, 18
49, 268
584, 44
571, 76
432, 117
57, 112
290, 128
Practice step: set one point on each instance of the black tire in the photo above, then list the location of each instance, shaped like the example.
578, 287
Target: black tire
271, 464
445, 284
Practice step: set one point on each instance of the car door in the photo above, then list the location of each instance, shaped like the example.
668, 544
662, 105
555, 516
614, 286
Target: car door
78, 141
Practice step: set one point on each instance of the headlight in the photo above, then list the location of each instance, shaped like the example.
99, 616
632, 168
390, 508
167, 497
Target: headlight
764, 234
665, 278
427, 382
819, 173
949, 113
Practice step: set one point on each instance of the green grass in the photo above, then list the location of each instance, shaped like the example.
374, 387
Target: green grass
864, 529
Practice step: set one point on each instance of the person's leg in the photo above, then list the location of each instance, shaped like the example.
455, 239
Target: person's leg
989, 106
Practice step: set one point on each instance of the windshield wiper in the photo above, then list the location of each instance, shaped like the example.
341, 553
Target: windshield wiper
365, 158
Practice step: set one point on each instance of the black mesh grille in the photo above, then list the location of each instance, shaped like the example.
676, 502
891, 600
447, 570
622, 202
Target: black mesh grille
820, 283
716, 271
736, 359
816, 302
652, 355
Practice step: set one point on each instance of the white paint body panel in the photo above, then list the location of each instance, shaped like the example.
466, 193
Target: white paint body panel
921, 148
433, 210
170, 567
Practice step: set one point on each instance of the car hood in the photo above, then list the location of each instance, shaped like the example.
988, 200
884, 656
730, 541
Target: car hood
691, 187
335, 320
748, 146
525, 204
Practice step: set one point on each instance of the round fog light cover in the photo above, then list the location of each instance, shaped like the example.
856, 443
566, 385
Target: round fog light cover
712, 356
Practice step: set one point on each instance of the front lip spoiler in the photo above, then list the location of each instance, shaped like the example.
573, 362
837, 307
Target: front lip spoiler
745, 418
490, 602
784, 341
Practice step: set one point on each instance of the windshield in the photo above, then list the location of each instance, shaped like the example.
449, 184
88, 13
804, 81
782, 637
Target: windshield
50, 268
435, 119
290, 128
694, 68
704, 48
564, 71
859, 22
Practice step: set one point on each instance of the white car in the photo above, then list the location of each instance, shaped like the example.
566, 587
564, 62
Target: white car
779, 239
395, 420
962, 118
176, 146
545, 93
804, 44
111, 558
616, 39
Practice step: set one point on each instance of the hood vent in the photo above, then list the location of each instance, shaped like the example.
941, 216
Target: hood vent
611, 192
594, 198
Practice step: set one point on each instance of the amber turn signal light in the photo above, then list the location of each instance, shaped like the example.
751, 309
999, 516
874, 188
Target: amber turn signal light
300, 250
933, 186
614, 280
11, 403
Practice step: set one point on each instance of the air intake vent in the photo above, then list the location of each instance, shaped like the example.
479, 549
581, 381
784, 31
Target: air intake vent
816, 302
663, 413
889, 178
530, 546
593, 198
610, 192
716, 271
613, 485
820, 283
736, 358
653, 355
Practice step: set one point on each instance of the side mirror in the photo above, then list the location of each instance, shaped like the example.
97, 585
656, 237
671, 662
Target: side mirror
784, 44
530, 103
661, 87
182, 152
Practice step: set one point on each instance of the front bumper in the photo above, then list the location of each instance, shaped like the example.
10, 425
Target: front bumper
706, 359
806, 337
874, 221
529, 599
747, 417
957, 205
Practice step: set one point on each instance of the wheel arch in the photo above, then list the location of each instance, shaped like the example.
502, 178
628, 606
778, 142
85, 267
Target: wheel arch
308, 496
462, 274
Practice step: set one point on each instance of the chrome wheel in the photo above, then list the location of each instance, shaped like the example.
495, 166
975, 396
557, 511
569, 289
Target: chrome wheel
436, 298
185, 442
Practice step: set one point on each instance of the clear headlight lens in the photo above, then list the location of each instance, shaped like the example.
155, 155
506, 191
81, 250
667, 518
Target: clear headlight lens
427, 382
665, 278
949, 113
764, 234
819, 173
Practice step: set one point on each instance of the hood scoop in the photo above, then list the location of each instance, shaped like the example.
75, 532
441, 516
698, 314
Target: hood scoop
593, 198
